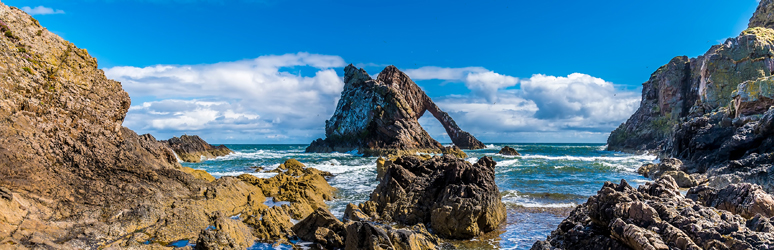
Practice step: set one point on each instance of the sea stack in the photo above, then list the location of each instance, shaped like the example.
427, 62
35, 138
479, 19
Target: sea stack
191, 148
380, 117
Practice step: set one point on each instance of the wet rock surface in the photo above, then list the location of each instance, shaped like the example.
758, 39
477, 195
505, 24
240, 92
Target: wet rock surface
455, 198
654, 216
191, 148
508, 151
380, 117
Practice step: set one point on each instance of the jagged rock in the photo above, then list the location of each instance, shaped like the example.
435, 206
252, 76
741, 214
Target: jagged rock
764, 15
380, 169
191, 148
745, 199
354, 213
671, 167
380, 117
271, 225
226, 234
323, 228
508, 151
364, 235
457, 199
454, 151
654, 216
304, 188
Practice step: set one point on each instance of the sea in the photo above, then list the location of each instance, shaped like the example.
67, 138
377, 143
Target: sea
539, 188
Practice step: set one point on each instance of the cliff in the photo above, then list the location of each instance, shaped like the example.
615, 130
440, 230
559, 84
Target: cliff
191, 148
380, 116
72, 177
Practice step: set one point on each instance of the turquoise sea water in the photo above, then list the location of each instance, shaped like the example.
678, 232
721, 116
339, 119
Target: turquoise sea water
538, 187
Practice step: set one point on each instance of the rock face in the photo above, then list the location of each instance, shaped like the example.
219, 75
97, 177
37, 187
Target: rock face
380, 117
655, 216
457, 199
191, 148
508, 151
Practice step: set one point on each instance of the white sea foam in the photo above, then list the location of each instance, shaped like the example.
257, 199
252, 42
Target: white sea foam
507, 162
630, 158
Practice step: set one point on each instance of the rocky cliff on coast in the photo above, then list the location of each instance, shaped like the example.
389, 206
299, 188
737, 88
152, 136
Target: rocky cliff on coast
380, 117
72, 177
712, 111
710, 120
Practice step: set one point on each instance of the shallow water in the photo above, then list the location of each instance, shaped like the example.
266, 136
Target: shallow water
539, 188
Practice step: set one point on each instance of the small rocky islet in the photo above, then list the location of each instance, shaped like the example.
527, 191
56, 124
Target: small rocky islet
75, 178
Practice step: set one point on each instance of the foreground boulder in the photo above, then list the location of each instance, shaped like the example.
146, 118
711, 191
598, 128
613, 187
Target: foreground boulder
380, 117
455, 198
327, 232
191, 148
654, 216
508, 151
226, 234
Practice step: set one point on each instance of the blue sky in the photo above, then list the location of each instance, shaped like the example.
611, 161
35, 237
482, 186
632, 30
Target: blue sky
249, 71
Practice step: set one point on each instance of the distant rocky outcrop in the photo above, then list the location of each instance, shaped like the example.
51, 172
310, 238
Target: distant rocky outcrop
508, 151
455, 198
656, 216
191, 148
380, 117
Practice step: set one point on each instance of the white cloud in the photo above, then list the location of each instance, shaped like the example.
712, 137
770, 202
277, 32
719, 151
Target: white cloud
255, 99
480, 81
41, 10
576, 106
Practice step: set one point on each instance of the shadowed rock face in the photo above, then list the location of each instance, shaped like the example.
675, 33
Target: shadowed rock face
379, 117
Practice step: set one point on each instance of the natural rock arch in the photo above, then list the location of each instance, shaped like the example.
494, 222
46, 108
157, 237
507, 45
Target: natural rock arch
380, 116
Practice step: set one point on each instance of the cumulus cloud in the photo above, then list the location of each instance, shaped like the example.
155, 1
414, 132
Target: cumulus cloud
480, 81
41, 10
574, 106
256, 100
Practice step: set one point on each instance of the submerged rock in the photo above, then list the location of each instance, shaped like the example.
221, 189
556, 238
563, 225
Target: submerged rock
191, 148
380, 117
654, 216
457, 199
508, 151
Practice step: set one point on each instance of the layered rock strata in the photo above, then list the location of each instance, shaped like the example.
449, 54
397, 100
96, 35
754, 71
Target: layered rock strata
655, 216
380, 117
191, 148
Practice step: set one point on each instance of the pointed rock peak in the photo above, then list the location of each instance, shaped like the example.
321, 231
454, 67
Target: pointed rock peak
764, 15
353, 74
